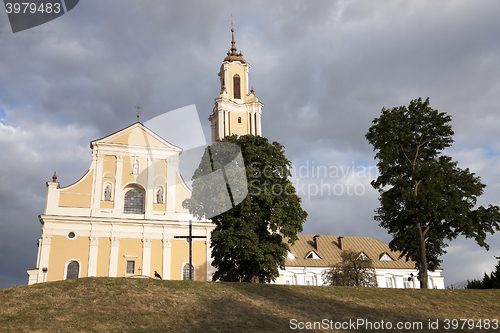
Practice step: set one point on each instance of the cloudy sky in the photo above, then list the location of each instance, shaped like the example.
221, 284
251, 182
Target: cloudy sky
323, 69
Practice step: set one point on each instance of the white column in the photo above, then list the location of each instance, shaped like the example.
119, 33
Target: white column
39, 253
44, 258
220, 122
253, 122
96, 202
113, 256
150, 191
94, 246
259, 129
246, 80
118, 205
146, 256
167, 257
52, 198
210, 268
226, 123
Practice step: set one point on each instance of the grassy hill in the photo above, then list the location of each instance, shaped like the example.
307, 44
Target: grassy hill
148, 305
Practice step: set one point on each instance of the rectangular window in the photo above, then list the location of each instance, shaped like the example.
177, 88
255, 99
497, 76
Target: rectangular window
388, 282
130, 267
407, 284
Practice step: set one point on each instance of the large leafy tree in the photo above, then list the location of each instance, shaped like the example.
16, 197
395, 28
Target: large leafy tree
425, 199
353, 270
250, 240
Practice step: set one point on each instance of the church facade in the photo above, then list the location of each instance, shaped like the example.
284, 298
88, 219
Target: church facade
123, 216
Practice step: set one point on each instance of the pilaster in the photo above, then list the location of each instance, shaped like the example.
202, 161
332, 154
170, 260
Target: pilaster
167, 256
113, 256
146, 256
97, 188
93, 248
226, 123
52, 198
118, 206
150, 191
44, 257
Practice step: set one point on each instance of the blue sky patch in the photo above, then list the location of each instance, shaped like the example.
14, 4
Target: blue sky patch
2, 115
492, 152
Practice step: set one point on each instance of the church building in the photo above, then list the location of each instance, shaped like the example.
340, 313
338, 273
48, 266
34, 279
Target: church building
124, 216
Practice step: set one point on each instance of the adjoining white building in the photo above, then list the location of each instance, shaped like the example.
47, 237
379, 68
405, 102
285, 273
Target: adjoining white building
311, 255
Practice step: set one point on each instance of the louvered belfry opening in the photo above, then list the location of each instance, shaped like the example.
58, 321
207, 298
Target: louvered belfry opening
236, 86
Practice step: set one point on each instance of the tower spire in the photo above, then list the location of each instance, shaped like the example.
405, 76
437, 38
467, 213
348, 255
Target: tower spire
233, 46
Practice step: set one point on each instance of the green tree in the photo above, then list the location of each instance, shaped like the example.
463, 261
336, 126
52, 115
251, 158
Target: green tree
352, 271
248, 240
425, 199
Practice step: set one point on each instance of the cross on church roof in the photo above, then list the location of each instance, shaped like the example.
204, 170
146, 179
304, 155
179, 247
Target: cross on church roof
138, 107
232, 21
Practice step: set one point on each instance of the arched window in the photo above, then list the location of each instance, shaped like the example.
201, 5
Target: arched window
236, 86
73, 270
239, 120
134, 202
185, 272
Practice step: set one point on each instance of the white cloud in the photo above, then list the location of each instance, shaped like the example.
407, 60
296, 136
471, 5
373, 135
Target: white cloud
11, 134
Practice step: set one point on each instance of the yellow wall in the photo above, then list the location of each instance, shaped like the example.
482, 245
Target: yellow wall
63, 249
180, 255
159, 208
109, 164
239, 128
107, 204
156, 257
78, 194
74, 200
103, 256
137, 138
129, 246
160, 168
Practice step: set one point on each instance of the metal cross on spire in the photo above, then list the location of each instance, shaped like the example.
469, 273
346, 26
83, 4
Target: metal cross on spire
138, 107
232, 22
190, 240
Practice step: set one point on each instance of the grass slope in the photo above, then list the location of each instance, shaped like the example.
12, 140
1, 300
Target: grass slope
148, 305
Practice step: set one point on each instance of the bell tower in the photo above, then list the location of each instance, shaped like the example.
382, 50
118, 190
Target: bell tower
237, 110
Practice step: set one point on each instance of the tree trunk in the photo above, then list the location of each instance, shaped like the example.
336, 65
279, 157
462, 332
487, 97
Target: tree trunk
422, 271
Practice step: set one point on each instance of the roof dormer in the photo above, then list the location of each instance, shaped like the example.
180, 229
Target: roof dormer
312, 255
